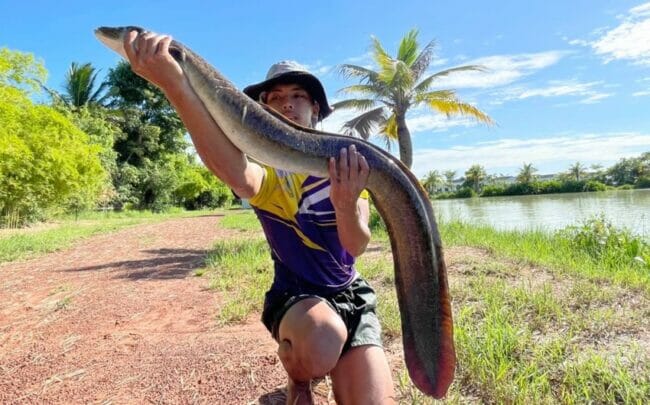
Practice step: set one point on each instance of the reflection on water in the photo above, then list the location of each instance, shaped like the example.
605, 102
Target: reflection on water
625, 209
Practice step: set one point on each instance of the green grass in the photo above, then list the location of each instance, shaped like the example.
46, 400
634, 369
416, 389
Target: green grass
243, 221
535, 320
242, 270
22, 244
553, 250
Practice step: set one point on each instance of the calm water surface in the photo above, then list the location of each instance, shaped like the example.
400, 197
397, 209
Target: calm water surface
626, 209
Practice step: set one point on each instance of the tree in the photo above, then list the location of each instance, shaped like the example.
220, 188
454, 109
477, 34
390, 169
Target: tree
45, 161
526, 174
432, 181
151, 127
80, 88
629, 170
449, 178
396, 87
151, 135
21, 71
474, 177
577, 171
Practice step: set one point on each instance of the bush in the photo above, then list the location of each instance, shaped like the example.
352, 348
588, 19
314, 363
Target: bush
465, 192
45, 161
593, 185
549, 186
603, 242
643, 182
492, 190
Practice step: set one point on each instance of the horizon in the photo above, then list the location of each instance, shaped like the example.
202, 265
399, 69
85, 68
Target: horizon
565, 83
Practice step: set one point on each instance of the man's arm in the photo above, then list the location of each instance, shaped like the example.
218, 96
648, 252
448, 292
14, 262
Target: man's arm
348, 179
151, 59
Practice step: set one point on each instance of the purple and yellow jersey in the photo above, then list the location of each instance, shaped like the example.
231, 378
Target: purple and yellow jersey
300, 226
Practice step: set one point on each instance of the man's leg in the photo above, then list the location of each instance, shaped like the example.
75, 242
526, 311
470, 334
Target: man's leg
311, 336
362, 376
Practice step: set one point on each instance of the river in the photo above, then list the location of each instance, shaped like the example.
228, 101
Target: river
625, 209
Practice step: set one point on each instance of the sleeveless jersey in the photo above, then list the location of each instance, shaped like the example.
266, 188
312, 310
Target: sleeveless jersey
299, 223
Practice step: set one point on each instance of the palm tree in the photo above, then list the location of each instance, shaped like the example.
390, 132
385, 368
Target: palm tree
79, 86
577, 170
474, 177
432, 181
526, 174
449, 177
397, 86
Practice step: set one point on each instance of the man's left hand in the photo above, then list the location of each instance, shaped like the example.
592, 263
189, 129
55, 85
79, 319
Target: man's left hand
348, 177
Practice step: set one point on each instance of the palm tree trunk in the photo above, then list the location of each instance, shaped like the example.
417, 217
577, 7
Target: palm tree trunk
404, 140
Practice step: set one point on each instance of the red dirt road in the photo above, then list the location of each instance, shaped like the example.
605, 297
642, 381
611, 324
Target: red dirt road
120, 318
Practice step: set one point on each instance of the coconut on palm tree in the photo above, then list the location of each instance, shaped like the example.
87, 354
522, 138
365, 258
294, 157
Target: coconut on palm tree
400, 84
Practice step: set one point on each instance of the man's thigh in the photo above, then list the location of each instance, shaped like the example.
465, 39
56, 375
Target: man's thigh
362, 376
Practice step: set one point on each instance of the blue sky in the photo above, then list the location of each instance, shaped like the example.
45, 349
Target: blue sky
566, 81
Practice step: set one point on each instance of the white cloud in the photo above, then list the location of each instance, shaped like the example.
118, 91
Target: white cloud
419, 120
549, 155
363, 59
594, 98
630, 40
641, 93
437, 122
500, 70
555, 88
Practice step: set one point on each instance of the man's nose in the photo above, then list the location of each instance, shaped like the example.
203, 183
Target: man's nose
287, 105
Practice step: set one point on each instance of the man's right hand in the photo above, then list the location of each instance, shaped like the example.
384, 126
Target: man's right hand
149, 57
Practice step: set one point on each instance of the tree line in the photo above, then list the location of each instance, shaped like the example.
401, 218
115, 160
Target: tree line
116, 144
627, 173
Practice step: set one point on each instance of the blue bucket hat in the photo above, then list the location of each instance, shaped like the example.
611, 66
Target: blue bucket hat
290, 72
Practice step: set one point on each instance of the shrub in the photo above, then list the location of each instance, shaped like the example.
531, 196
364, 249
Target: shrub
603, 242
643, 182
593, 185
465, 192
491, 190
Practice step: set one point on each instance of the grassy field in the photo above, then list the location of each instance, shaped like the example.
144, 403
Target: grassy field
538, 318
16, 244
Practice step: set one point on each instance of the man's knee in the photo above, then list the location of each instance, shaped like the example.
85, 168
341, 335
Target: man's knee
311, 336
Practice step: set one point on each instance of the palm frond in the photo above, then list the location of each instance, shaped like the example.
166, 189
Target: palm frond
388, 131
455, 107
408, 48
425, 84
350, 71
448, 95
363, 124
368, 89
359, 104
447, 72
421, 64
385, 61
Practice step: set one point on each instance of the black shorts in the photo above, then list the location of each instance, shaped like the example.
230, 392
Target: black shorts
355, 305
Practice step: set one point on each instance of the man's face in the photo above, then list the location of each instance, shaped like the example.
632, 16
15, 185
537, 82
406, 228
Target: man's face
293, 102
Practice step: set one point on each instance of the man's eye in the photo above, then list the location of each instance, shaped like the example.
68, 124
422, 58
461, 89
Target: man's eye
272, 97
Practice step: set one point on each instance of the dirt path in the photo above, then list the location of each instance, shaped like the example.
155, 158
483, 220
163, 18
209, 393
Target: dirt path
120, 318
